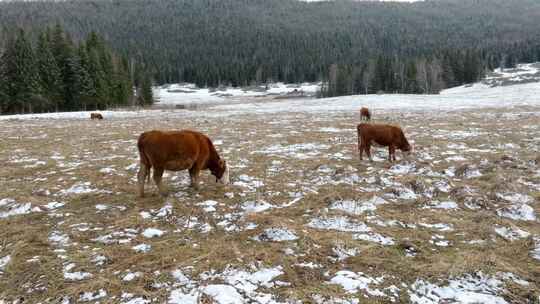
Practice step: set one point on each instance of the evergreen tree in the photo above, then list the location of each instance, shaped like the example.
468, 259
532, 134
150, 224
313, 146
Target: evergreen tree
145, 95
87, 91
62, 53
4, 98
20, 72
123, 87
49, 72
249, 45
379, 77
62, 75
411, 85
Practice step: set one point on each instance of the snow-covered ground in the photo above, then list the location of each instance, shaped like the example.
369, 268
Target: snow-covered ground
189, 94
231, 101
463, 97
522, 73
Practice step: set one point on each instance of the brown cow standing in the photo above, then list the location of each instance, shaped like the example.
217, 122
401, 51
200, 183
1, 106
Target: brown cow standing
176, 151
365, 114
384, 135
96, 116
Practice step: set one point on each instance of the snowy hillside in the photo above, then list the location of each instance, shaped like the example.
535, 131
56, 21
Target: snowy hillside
507, 88
189, 94
522, 73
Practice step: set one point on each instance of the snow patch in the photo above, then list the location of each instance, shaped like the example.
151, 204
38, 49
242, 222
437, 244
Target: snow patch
374, 237
152, 232
353, 282
339, 223
472, 289
92, 296
142, 248
276, 235
357, 208
4, 261
79, 188
522, 212
256, 206
511, 234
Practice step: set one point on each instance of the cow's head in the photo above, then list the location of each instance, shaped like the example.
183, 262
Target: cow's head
404, 145
407, 148
221, 172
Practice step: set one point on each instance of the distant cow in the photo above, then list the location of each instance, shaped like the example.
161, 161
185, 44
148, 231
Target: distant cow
176, 151
365, 114
96, 116
383, 135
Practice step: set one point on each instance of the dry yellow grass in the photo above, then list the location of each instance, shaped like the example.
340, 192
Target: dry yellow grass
74, 151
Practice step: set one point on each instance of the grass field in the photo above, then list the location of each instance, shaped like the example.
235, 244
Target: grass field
304, 221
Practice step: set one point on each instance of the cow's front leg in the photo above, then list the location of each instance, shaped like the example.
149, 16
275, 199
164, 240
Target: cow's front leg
391, 153
158, 175
194, 175
368, 151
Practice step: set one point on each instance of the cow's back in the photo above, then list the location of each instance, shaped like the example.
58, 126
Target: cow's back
364, 112
380, 134
160, 147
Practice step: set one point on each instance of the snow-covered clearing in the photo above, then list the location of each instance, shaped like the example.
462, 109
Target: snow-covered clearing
190, 95
231, 101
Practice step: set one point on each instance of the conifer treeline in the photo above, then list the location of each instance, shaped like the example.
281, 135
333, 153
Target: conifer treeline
353, 46
422, 75
56, 74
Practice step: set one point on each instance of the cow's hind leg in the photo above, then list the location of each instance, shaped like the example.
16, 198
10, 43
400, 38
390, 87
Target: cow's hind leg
360, 147
158, 175
367, 147
144, 172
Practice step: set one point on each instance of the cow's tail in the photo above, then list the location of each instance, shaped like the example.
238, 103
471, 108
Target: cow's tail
144, 159
358, 130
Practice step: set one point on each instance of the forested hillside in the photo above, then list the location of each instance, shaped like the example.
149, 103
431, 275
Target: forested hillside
54, 73
355, 47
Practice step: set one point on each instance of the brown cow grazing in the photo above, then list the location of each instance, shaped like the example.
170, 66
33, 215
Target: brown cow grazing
384, 135
176, 151
365, 114
96, 116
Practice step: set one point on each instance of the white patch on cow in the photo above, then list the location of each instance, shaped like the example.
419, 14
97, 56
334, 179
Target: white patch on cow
225, 178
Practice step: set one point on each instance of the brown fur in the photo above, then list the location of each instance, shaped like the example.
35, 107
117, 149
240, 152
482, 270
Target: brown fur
365, 114
384, 135
176, 151
96, 116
